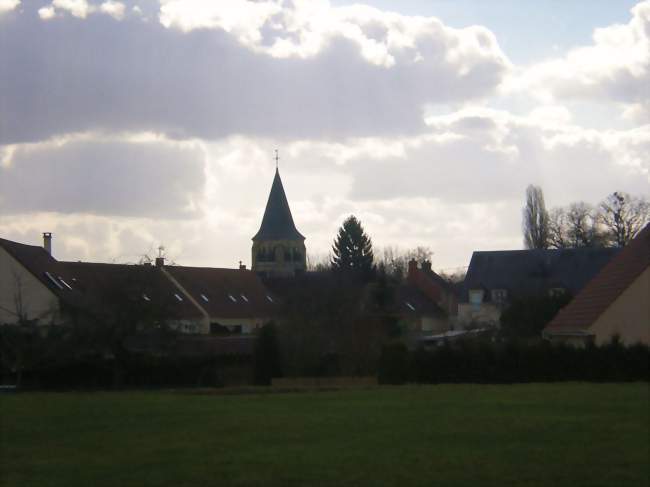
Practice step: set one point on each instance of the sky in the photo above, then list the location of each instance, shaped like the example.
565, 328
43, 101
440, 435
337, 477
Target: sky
127, 125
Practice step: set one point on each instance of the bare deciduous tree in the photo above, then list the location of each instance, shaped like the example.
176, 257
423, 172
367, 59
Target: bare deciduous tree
583, 226
395, 261
623, 216
558, 229
535, 219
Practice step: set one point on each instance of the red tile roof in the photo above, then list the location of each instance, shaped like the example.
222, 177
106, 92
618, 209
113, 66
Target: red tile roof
605, 287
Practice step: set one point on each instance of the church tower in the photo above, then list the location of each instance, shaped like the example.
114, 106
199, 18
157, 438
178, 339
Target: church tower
278, 247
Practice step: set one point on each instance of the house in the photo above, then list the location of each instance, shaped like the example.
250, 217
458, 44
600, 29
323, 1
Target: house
36, 287
616, 302
426, 302
496, 278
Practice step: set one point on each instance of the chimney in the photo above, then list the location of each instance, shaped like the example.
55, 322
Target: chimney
426, 266
412, 272
242, 267
160, 261
47, 242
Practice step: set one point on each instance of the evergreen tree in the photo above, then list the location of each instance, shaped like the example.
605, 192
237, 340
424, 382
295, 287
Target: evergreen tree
352, 249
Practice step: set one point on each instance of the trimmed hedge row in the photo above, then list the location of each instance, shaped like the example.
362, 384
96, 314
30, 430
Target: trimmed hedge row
512, 362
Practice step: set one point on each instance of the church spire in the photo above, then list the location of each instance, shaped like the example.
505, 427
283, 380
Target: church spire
277, 222
278, 247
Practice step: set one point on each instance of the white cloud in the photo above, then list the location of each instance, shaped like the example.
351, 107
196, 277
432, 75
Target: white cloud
303, 28
616, 67
46, 13
8, 5
77, 8
113, 8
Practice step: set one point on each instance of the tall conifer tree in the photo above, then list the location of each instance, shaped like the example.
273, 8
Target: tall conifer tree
352, 249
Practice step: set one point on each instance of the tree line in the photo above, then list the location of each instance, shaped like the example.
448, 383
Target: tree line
612, 223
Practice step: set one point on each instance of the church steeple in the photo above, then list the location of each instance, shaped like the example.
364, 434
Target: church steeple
278, 246
277, 222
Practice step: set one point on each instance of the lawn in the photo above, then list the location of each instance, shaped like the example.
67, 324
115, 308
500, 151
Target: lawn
449, 435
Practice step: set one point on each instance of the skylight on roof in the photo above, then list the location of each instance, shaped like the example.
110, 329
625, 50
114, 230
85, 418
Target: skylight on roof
204, 298
411, 307
232, 298
178, 298
145, 297
269, 298
244, 298
65, 283
54, 281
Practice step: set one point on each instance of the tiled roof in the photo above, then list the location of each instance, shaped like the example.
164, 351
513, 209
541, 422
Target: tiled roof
226, 293
409, 300
528, 273
277, 223
606, 287
90, 286
98, 282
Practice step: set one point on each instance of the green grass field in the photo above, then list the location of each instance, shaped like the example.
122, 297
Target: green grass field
448, 435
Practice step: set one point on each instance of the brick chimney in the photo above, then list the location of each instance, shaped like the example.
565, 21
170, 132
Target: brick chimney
47, 242
160, 261
426, 266
412, 275
242, 267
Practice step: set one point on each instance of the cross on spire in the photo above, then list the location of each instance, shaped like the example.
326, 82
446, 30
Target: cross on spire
277, 158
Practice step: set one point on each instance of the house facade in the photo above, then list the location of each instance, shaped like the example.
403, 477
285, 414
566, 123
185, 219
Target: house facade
615, 303
496, 278
36, 287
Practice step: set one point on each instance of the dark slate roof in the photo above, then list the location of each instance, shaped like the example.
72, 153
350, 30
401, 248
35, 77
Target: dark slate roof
99, 283
410, 301
277, 223
606, 287
526, 273
250, 298
41, 264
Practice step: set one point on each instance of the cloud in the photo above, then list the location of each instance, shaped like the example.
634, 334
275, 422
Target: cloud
8, 5
616, 67
363, 79
94, 175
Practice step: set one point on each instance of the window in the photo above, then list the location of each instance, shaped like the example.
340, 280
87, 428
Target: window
54, 281
410, 306
556, 291
476, 297
499, 296
232, 298
146, 298
204, 298
270, 299
178, 298
244, 297
65, 283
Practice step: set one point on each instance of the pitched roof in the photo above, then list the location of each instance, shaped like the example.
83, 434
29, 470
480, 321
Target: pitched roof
605, 287
410, 301
277, 223
226, 293
526, 273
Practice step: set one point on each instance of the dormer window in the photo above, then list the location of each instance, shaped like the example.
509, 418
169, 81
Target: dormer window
269, 298
556, 291
178, 298
409, 305
476, 297
52, 280
146, 298
204, 298
244, 297
232, 298
499, 296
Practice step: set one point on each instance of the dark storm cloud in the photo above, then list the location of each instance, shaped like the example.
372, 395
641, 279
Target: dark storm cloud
69, 75
104, 178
